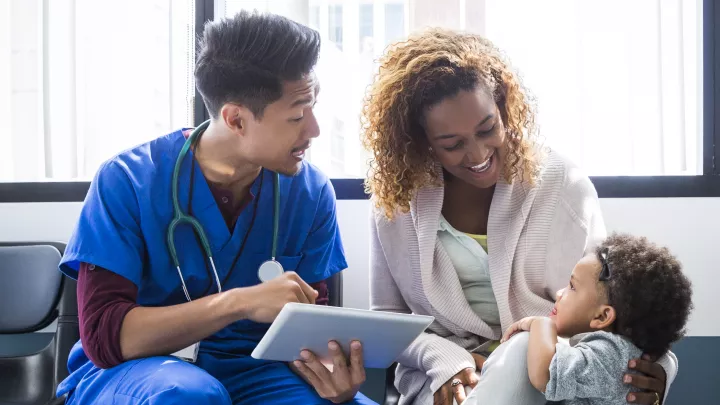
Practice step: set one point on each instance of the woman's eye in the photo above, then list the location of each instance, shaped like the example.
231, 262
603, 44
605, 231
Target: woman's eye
454, 147
297, 119
572, 286
487, 132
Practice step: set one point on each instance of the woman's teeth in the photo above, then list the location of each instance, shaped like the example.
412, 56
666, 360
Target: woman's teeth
482, 166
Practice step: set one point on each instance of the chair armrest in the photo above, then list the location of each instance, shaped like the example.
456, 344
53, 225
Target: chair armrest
58, 401
392, 396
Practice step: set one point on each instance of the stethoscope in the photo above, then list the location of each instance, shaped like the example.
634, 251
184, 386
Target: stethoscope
267, 271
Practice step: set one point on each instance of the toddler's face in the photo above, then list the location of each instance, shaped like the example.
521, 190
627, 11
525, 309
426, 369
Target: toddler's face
582, 306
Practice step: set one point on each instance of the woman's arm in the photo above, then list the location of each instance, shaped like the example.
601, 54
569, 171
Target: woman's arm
438, 357
384, 292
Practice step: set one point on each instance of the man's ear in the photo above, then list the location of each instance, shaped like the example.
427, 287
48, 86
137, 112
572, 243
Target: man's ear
604, 317
235, 118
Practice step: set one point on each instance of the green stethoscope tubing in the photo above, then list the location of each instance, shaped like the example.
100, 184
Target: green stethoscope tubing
179, 217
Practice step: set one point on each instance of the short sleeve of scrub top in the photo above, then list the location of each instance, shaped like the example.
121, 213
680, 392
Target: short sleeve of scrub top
323, 253
108, 232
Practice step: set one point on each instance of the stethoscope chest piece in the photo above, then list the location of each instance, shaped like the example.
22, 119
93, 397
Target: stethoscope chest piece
270, 270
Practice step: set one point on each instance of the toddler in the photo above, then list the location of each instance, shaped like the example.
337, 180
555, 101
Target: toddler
629, 298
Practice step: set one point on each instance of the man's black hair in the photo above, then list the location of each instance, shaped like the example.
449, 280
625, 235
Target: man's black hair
651, 295
246, 58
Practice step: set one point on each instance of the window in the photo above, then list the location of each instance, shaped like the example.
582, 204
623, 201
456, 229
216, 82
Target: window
76, 89
366, 27
619, 93
394, 22
315, 18
337, 146
335, 25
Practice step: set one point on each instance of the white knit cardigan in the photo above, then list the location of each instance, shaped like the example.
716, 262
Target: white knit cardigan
536, 234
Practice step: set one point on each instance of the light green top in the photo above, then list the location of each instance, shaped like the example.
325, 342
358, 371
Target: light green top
468, 254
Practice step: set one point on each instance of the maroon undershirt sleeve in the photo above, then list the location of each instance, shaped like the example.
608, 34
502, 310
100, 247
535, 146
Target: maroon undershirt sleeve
104, 298
323, 294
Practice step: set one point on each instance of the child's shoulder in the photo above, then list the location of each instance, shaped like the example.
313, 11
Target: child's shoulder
606, 342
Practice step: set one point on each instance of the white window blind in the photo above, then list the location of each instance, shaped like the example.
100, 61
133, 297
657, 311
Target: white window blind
81, 80
618, 83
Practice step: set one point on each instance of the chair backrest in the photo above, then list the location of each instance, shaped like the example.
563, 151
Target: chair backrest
33, 294
335, 290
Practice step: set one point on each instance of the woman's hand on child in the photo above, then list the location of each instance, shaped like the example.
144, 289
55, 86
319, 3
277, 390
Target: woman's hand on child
651, 380
520, 326
455, 387
479, 361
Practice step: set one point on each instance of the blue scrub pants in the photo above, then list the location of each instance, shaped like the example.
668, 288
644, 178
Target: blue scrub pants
169, 381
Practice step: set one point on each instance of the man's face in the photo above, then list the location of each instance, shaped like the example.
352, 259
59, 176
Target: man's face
279, 138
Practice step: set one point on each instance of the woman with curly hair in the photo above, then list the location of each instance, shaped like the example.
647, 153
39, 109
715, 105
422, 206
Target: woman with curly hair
473, 221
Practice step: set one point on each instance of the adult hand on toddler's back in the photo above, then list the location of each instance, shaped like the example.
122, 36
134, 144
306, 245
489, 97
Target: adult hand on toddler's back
651, 380
455, 387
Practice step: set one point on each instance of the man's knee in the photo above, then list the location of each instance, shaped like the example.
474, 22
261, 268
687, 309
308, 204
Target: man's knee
173, 382
206, 390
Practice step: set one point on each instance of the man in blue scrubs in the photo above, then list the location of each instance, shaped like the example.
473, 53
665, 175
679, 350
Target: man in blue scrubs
255, 75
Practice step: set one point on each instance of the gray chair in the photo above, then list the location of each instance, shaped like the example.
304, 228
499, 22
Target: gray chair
392, 396
33, 295
335, 290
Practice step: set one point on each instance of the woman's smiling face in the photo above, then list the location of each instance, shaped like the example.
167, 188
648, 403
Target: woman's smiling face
467, 137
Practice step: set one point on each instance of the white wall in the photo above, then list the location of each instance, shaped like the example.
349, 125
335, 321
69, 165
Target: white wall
689, 226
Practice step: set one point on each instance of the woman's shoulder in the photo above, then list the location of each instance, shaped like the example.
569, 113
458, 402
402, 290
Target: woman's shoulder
399, 225
563, 184
571, 182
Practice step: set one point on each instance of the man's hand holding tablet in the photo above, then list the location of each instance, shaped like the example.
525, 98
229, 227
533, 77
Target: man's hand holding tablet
315, 339
338, 382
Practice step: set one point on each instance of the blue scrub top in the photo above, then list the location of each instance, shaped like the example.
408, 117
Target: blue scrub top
124, 220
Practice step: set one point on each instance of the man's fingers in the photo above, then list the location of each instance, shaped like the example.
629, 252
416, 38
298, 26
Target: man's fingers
357, 364
643, 398
308, 291
459, 393
339, 360
300, 295
649, 368
316, 366
644, 383
308, 374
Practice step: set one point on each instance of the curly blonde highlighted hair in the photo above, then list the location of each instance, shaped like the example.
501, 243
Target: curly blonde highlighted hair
419, 73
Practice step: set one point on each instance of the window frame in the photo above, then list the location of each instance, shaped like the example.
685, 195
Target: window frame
705, 185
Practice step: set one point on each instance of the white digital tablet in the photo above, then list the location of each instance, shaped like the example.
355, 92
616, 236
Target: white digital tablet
384, 335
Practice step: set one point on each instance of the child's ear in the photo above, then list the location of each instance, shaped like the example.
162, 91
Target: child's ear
604, 317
